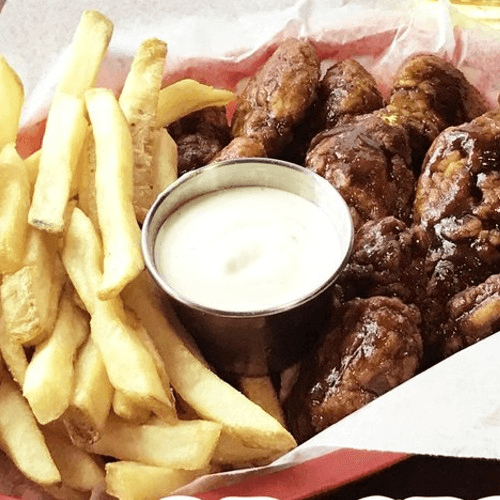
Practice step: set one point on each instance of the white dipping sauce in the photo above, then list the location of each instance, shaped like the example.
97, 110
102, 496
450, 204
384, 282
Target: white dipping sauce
247, 249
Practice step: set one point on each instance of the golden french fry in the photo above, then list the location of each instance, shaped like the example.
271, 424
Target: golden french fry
79, 470
30, 296
186, 96
186, 445
135, 481
114, 185
86, 188
139, 102
86, 53
13, 355
32, 163
192, 379
21, 438
82, 257
11, 102
133, 372
231, 451
15, 196
128, 409
261, 391
61, 146
164, 164
91, 399
48, 383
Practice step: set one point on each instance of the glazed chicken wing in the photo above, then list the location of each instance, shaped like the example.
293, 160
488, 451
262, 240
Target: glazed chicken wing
367, 160
277, 97
430, 94
199, 137
374, 346
347, 89
388, 258
457, 203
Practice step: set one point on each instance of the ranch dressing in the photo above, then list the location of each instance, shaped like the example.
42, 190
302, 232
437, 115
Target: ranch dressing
247, 249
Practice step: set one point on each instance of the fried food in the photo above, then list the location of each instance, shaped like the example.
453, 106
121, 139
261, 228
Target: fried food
188, 96
388, 258
21, 438
277, 97
374, 346
135, 481
187, 445
15, 195
457, 204
11, 102
139, 103
48, 382
347, 89
367, 160
62, 142
199, 137
91, 399
428, 95
114, 191
30, 296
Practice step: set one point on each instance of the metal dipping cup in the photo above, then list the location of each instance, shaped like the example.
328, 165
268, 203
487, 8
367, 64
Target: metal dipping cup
258, 342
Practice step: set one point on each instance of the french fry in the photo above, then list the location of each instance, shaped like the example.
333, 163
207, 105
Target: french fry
61, 146
32, 163
86, 188
261, 391
114, 186
192, 379
86, 53
128, 409
186, 445
139, 102
164, 163
21, 438
48, 383
231, 451
133, 372
13, 355
135, 481
14, 205
90, 403
186, 96
82, 257
30, 296
11, 102
79, 470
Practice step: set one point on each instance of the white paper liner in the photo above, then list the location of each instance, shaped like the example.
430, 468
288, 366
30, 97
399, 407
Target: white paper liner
452, 409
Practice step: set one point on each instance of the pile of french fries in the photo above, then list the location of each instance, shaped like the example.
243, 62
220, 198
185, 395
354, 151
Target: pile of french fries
99, 383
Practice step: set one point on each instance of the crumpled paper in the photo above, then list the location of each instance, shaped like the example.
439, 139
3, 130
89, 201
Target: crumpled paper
452, 409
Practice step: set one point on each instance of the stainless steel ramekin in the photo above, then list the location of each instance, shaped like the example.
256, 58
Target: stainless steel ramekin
258, 342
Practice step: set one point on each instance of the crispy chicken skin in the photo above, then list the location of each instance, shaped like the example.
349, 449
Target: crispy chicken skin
199, 137
367, 160
374, 346
277, 97
428, 95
